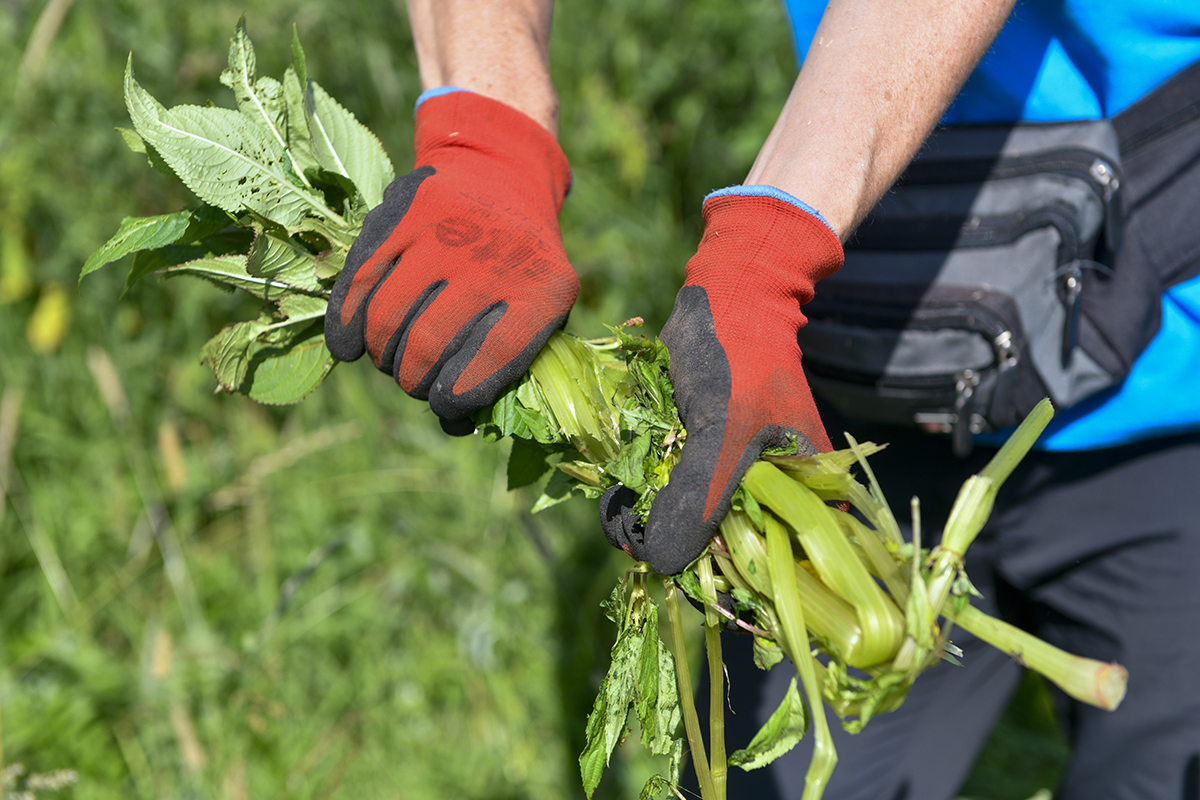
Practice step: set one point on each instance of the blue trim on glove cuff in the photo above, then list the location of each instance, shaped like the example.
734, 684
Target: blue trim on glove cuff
757, 190
435, 92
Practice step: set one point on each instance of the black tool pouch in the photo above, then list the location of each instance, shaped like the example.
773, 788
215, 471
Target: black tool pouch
959, 306
1010, 264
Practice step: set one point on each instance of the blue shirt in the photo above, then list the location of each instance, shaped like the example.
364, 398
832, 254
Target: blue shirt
1059, 60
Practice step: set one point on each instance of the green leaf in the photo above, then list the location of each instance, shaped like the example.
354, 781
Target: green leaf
558, 489
783, 730
228, 353
260, 100
690, 584
344, 145
526, 463
629, 465
283, 261
138, 233
230, 271
656, 787
657, 703
285, 375
132, 140
642, 674
647, 679
744, 501
606, 723
151, 233
505, 417
299, 140
300, 307
766, 653
536, 424
222, 157
299, 62
138, 145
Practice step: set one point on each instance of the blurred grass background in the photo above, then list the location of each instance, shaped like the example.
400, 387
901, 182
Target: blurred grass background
201, 597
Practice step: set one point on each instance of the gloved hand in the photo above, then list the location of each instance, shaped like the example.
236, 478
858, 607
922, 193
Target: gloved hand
735, 364
459, 276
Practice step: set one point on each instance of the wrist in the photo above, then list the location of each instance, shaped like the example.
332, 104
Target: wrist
760, 240
454, 123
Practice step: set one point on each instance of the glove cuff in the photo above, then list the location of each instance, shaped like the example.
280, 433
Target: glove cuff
755, 239
457, 121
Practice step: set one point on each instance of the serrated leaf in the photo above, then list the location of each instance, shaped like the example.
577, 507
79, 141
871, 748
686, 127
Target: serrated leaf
286, 375
536, 424
300, 307
228, 353
344, 145
222, 157
690, 584
656, 787
782, 732
504, 415
283, 261
138, 233
606, 723
262, 100
657, 701
210, 228
240, 77
330, 263
647, 678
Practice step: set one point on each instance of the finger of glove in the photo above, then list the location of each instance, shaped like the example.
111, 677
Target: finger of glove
622, 528
371, 259
460, 363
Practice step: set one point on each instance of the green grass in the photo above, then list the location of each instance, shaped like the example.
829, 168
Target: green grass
202, 597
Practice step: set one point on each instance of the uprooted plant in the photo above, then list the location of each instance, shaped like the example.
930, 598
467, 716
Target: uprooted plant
811, 557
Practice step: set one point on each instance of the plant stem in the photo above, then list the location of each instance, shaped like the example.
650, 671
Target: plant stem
795, 644
691, 720
1087, 680
716, 679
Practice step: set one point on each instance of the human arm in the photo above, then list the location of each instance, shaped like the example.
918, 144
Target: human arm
876, 80
497, 48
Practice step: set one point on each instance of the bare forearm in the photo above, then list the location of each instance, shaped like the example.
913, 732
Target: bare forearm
497, 48
877, 78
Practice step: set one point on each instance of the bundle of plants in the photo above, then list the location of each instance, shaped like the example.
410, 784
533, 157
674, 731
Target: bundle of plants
810, 561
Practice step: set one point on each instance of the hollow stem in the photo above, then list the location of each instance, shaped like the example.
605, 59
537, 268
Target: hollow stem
691, 720
1087, 680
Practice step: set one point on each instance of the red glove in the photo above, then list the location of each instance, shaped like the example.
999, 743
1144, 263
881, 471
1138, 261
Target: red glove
459, 276
735, 364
